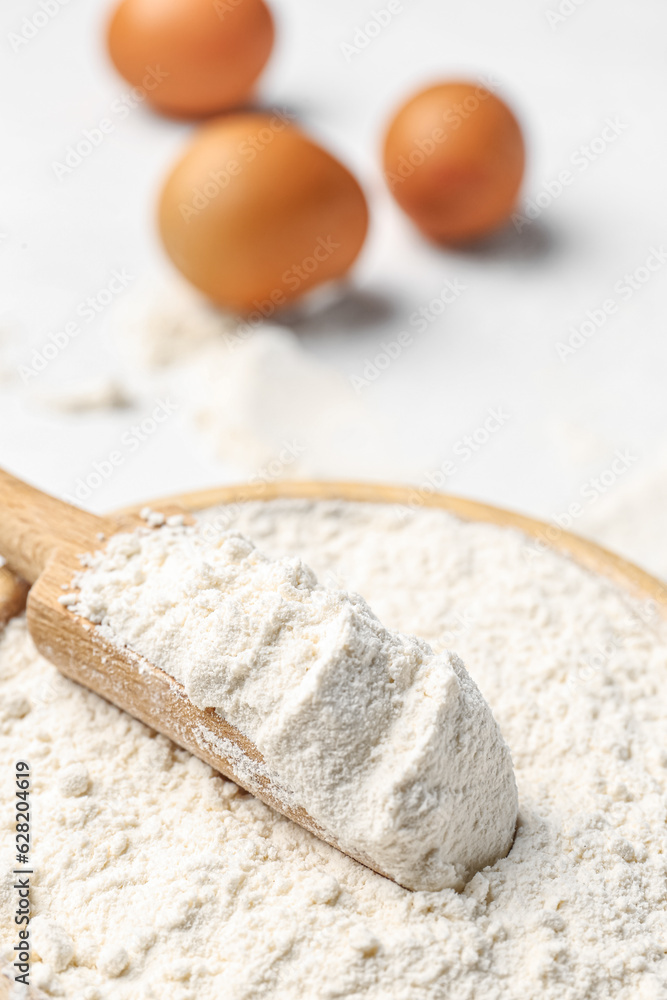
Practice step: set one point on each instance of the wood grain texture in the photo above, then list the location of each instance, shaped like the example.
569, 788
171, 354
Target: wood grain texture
13, 595
127, 680
34, 524
43, 538
132, 683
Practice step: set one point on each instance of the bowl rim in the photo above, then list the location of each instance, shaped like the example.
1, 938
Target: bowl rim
586, 553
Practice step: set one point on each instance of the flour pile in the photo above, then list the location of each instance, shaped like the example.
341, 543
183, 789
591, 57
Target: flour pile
389, 748
156, 878
257, 396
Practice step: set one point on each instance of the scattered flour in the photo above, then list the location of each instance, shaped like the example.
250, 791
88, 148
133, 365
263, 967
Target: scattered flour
168, 878
263, 399
389, 748
258, 398
87, 396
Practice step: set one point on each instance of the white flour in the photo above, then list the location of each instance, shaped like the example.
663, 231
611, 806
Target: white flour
389, 748
257, 395
157, 878
101, 393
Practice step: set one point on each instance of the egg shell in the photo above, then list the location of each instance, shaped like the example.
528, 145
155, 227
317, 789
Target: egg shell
454, 158
192, 57
256, 214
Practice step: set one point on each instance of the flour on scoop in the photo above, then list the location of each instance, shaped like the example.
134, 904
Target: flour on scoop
389, 747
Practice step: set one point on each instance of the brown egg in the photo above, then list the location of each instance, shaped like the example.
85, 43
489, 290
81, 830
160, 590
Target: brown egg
192, 57
255, 214
454, 159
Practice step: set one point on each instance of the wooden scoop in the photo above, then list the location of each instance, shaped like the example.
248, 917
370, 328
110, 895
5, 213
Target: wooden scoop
13, 595
41, 539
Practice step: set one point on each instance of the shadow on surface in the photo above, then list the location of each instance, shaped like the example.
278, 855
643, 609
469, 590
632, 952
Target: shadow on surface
353, 310
534, 243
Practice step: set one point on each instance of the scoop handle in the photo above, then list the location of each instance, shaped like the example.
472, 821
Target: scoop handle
33, 525
13, 594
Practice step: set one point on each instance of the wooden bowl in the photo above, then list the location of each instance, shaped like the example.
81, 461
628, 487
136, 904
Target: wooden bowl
592, 557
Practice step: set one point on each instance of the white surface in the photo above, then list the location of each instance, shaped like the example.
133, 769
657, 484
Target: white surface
494, 346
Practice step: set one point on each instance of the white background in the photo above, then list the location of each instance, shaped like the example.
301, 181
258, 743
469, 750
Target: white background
62, 239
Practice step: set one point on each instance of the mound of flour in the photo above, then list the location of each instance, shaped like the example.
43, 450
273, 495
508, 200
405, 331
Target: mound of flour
155, 877
256, 394
390, 748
